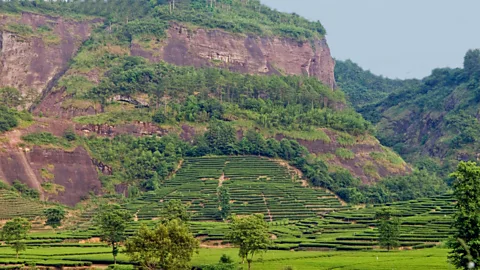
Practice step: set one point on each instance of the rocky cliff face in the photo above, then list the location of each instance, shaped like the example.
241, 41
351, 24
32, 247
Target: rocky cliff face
35, 49
62, 176
246, 54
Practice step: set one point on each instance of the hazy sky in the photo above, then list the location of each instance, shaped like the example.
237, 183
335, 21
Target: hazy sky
395, 38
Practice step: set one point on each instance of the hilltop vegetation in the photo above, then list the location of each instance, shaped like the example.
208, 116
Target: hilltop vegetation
434, 122
151, 16
363, 87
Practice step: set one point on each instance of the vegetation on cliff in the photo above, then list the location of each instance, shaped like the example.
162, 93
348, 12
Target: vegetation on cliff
198, 95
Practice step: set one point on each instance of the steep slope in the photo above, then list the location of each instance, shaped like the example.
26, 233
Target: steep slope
437, 118
151, 70
36, 49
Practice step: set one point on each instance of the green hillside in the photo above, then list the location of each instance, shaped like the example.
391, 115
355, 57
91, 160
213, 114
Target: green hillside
213, 109
363, 87
436, 118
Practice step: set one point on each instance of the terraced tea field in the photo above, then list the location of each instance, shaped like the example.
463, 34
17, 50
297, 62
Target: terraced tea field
310, 228
256, 185
13, 205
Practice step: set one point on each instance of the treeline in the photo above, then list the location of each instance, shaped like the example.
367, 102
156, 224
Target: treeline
363, 87
198, 95
148, 161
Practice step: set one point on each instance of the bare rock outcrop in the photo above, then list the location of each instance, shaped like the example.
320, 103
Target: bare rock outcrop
32, 61
239, 53
73, 174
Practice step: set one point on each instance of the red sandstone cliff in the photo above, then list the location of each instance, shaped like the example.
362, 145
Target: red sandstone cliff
32, 60
246, 54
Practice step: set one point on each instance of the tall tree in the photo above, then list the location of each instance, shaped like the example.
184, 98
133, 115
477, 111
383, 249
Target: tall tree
14, 232
250, 234
174, 209
224, 206
169, 246
220, 137
465, 242
388, 229
54, 216
471, 62
112, 223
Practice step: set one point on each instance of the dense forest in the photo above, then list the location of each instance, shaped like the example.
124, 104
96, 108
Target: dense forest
363, 87
432, 122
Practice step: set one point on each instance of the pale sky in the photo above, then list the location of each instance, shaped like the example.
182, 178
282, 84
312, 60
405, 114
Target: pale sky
395, 38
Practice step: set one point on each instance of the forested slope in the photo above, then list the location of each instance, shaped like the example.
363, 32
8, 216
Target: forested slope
433, 122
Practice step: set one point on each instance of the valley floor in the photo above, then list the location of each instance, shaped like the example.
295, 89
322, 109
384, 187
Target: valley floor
434, 258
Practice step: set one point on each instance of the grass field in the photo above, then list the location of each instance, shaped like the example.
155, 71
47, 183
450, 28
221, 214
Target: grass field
434, 258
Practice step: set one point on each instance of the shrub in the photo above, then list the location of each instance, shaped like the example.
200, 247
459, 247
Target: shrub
344, 153
7, 119
70, 135
25, 190
159, 117
44, 138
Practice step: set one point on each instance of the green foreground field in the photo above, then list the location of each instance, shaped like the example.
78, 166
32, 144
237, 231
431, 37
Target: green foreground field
434, 258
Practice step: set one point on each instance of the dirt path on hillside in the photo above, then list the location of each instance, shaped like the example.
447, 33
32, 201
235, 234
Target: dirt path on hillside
221, 180
32, 180
268, 209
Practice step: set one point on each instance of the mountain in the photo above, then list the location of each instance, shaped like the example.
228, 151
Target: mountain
363, 87
431, 122
121, 92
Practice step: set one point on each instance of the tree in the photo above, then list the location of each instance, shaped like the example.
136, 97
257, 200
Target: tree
471, 62
224, 207
174, 209
54, 216
112, 223
169, 246
388, 229
10, 97
250, 234
14, 232
465, 242
7, 119
221, 137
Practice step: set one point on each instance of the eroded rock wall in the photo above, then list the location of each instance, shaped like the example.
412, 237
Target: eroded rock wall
246, 54
72, 173
29, 60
